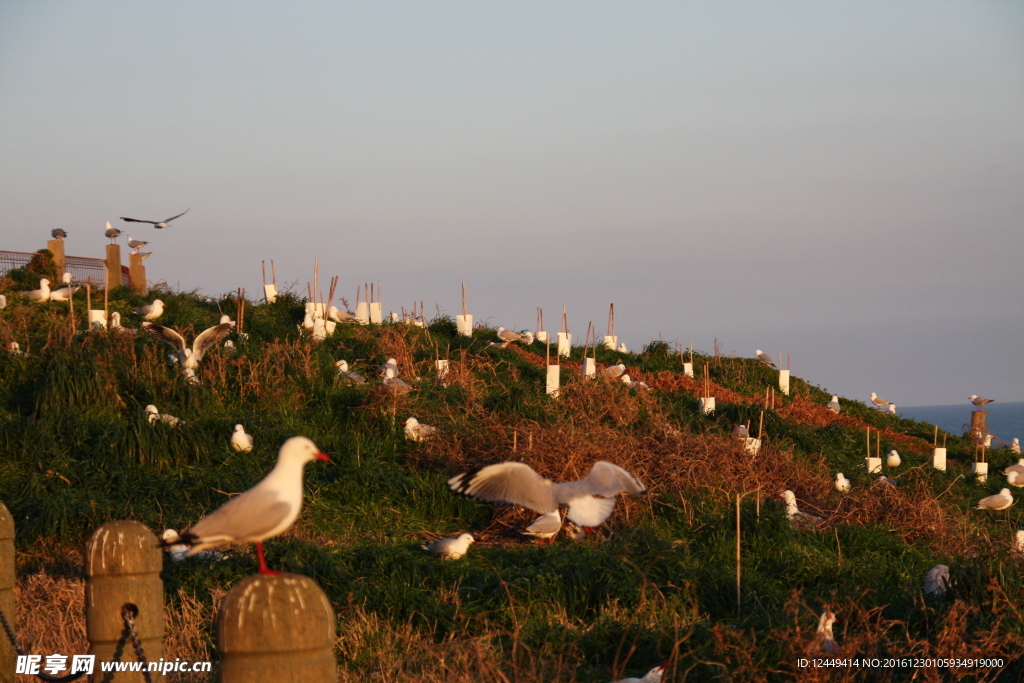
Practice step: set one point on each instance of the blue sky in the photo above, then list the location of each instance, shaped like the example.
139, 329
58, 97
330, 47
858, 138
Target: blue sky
842, 182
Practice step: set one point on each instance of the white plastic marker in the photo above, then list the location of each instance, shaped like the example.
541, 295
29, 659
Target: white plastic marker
264, 511
518, 483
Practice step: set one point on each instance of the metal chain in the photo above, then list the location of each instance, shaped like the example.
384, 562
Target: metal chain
42, 675
140, 654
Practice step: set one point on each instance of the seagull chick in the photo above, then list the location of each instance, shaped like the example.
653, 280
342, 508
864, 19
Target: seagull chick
264, 511
156, 224
450, 548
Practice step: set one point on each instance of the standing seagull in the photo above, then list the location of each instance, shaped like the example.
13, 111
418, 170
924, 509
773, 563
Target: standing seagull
824, 639
241, 441
545, 527
518, 483
264, 511
189, 358
999, 501
41, 294
842, 483
136, 244
879, 401
833, 405
979, 401
765, 358
112, 232
508, 335
58, 234
151, 311
156, 224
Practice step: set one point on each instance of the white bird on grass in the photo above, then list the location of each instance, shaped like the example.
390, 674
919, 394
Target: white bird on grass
893, 459
136, 244
765, 358
796, 516
151, 311
241, 441
891, 409
888, 482
1018, 541
41, 294
824, 640
65, 292
1018, 468
450, 548
508, 335
1014, 445
978, 401
156, 224
623, 348
189, 358
112, 232
741, 431
936, 581
348, 375
881, 402
416, 431
833, 405
339, 316
389, 369
156, 416
545, 527
614, 371
3, 302
264, 511
397, 386
842, 483
999, 501
518, 483
1014, 479
652, 676
14, 349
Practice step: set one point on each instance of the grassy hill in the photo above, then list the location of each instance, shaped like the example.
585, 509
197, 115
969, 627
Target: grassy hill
656, 583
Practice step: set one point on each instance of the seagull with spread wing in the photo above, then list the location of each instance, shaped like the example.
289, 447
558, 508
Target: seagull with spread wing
157, 224
189, 358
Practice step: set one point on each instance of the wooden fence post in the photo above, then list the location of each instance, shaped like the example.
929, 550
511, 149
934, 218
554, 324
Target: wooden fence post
113, 263
56, 248
7, 654
122, 568
137, 274
276, 628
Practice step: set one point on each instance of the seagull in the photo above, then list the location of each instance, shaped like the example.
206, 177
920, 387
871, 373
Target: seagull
136, 244
936, 580
41, 294
887, 481
764, 358
1018, 468
1000, 501
3, 305
893, 459
518, 483
156, 416
229, 346
189, 358
264, 511
415, 431
397, 386
1018, 541
14, 349
508, 335
112, 232
842, 483
173, 544
528, 337
796, 516
622, 348
652, 676
58, 234
450, 548
339, 316
348, 375
1014, 479
979, 401
1014, 445
833, 405
191, 376
156, 224
151, 311
545, 527
824, 640
65, 292
614, 371
892, 408
241, 441
115, 324
741, 432
389, 369
879, 401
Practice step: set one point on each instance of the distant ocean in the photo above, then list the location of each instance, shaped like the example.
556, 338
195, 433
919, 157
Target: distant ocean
1005, 420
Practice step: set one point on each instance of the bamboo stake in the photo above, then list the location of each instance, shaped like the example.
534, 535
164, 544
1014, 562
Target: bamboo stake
273, 272
935, 438
106, 302
309, 292
565, 322
760, 426
788, 359
88, 296
263, 264
515, 440
378, 292
691, 351
869, 440
316, 276
611, 320
463, 299
358, 295
738, 594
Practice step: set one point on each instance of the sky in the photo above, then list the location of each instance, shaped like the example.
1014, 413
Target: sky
839, 182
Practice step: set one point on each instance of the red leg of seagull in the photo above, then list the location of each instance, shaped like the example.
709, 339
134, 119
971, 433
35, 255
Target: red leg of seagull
588, 530
264, 569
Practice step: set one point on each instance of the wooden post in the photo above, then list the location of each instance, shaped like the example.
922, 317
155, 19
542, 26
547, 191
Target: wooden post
738, 594
137, 274
56, 248
276, 628
122, 569
7, 654
113, 262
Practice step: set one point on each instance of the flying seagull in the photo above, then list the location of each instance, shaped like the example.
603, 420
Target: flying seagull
58, 234
264, 511
189, 358
516, 482
156, 224
765, 358
979, 401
